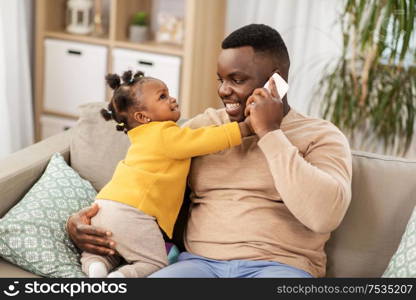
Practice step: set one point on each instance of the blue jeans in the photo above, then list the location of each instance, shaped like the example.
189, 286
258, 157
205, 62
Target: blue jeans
194, 266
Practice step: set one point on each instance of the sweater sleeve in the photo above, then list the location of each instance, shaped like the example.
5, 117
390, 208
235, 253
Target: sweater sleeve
181, 143
315, 188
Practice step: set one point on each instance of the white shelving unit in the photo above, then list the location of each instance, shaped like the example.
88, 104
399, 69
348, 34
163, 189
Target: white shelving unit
70, 68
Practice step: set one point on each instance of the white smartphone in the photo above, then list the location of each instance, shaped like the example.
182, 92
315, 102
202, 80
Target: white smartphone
282, 86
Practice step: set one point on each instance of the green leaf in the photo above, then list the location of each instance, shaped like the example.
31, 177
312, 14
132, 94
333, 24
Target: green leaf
390, 108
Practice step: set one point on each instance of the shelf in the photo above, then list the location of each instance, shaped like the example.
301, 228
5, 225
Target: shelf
77, 38
203, 32
151, 46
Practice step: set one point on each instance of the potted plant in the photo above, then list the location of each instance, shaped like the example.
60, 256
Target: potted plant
139, 27
371, 92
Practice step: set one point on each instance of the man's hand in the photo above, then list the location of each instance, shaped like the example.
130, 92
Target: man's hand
87, 237
245, 128
265, 110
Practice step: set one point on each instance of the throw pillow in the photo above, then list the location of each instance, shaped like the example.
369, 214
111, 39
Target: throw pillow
403, 262
32, 233
96, 145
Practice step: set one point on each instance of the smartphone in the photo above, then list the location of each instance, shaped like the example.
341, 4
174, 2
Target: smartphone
281, 85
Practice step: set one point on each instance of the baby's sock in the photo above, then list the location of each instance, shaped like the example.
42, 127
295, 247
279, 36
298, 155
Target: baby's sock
116, 274
97, 270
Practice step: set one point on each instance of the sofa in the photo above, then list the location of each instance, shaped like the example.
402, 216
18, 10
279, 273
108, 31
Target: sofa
383, 193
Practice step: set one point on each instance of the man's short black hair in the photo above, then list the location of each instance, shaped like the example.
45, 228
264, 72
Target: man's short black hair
262, 38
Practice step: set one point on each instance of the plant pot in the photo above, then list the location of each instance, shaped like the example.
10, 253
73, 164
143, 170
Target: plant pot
138, 33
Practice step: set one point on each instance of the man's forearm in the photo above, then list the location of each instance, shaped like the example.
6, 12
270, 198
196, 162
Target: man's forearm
316, 190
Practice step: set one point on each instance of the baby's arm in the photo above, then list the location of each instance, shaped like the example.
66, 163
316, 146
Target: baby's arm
182, 143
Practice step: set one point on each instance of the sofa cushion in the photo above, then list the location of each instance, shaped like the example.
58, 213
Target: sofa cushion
32, 233
383, 197
403, 262
96, 145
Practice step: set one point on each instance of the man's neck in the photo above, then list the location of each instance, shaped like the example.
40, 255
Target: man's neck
286, 107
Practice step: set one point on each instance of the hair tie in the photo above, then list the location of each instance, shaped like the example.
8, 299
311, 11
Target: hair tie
120, 124
109, 112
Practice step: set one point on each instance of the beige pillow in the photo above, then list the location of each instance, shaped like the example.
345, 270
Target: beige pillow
96, 145
383, 197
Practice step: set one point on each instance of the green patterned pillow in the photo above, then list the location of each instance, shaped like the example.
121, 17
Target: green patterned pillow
403, 262
32, 233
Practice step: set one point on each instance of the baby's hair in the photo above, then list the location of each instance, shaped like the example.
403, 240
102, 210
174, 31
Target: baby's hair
123, 98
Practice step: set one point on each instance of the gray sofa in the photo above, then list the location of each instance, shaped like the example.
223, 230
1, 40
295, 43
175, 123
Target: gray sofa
383, 192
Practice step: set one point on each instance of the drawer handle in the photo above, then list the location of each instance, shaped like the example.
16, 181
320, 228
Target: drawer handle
143, 62
74, 52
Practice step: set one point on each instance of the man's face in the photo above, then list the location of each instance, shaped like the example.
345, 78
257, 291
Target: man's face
240, 71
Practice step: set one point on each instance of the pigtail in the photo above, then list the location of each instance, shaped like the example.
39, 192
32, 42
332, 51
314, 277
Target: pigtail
138, 75
127, 76
106, 114
122, 127
113, 80
130, 79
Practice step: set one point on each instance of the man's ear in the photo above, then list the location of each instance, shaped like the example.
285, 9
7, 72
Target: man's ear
141, 117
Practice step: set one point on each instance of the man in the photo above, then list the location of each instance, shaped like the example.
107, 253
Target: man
267, 207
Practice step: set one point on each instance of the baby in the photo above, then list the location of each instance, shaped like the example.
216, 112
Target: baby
147, 188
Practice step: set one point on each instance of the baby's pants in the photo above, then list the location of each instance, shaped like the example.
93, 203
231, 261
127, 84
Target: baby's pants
137, 236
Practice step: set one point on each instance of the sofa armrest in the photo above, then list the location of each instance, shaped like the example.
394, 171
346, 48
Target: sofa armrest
20, 170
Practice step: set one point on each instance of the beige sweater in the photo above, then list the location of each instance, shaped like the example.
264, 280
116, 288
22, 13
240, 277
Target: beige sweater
273, 199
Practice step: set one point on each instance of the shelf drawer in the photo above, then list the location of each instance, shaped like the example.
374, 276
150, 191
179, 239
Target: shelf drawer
164, 67
74, 75
51, 125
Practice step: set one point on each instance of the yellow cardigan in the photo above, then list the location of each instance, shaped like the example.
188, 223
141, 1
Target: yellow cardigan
152, 177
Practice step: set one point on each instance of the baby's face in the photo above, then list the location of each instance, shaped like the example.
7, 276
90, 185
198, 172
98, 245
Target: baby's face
158, 104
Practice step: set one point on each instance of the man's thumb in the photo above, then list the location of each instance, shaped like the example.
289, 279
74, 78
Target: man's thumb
92, 210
